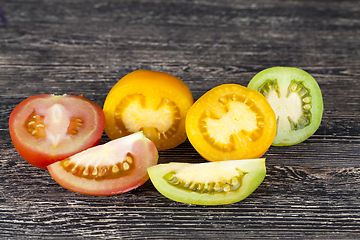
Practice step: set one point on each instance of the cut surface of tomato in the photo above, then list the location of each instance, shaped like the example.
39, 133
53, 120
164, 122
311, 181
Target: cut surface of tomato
112, 168
296, 99
47, 128
153, 102
211, 183
231, 122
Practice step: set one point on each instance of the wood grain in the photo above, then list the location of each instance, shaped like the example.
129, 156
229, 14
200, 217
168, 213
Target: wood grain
311, 190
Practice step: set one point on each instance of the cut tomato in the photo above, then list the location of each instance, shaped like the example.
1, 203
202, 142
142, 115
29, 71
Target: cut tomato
149, 101
231, 122
115, 167
214, 183
296, 99
48, 128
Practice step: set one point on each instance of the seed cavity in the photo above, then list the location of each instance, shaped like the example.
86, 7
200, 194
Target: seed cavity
304, 94
268, 86
213, 187
66, 162
99, 172
35, 125
75, 126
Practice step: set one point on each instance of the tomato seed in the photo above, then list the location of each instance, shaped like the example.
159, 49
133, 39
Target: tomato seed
99, 172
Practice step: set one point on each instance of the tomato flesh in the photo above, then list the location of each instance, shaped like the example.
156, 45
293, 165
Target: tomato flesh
214, 183
47, 128
231, 122
112, 168
153, 102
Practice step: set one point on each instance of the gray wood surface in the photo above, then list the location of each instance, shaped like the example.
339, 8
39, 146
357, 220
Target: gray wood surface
311, 190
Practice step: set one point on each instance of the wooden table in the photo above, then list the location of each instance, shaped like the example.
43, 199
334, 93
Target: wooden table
311, 190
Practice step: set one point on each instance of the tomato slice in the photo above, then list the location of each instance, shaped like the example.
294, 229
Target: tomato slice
112, 168
48, 128
214, 183
231, 122
296, 99
149, 101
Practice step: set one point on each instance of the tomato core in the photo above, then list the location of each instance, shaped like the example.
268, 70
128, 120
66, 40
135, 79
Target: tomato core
154, 116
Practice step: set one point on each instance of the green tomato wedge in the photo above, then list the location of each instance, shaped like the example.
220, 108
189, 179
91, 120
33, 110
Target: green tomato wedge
296, 100
210, 183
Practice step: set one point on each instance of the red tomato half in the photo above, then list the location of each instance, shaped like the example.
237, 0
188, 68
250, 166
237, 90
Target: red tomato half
48, 128
112, 168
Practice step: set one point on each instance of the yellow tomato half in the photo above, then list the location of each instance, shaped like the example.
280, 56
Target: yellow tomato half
231, 122
155, 103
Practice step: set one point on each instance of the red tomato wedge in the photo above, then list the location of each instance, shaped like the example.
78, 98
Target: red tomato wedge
112, 168
48, 128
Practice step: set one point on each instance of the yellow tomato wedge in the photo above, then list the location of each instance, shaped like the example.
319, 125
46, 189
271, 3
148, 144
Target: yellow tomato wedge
155, 103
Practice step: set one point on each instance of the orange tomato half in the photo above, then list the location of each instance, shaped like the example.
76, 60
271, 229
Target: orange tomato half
155, 103
231, 122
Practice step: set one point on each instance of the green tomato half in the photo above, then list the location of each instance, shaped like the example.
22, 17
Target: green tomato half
210, 183
296, 100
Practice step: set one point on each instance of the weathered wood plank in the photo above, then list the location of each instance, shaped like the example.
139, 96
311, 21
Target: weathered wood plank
83, 47
311, 201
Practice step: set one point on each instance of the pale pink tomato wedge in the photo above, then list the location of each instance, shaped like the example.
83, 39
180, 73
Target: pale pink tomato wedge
112, 168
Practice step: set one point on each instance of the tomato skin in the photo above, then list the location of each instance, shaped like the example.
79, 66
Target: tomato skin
215, 124
202, 174
144, 154
32, 149
151, 92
